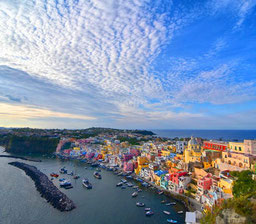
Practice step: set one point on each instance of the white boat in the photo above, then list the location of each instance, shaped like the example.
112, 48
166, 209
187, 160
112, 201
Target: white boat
166, 212
134, 194
140, 204
180, 212
147, 209
149, 213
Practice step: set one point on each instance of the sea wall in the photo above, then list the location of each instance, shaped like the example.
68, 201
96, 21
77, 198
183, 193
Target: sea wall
46, 188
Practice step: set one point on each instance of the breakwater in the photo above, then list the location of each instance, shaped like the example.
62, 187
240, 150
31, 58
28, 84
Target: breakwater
21, 157
46, 188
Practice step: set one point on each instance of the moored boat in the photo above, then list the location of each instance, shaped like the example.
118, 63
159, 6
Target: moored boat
87, 184
166, 212
140, 204
147, 209
149, 213
134, 194
63, 170
160, 192
180, 212
76, 177
97, 175
119, 184
54, 175
65, 183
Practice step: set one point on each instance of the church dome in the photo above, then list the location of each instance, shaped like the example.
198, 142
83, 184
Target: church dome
192, 141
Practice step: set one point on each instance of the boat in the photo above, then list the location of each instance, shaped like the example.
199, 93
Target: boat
170, 203
65, 183
147, 209
76, 177
94, 165
87, 184
54, 175
129, 184
180, 212
63, 170
119, 184
97, 175
139, 190
134, 194
123, 187
160, 192
163, 201
135, 187
129, 177
71, 173
149, 213
120, 174
166, 212
140, 204
145, 184
171, 221
123, 180
98, 169
62, 179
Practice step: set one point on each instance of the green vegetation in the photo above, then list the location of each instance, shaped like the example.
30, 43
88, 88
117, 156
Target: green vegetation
244, 184
31, 144
132, 141
243, 203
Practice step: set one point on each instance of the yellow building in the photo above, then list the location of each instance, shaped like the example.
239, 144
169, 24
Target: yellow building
236, 146
193, 151
165, 153
226, 185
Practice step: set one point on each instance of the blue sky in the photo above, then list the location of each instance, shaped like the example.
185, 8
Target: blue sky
158, 64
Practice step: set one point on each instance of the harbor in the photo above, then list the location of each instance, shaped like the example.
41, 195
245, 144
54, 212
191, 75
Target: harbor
104, 198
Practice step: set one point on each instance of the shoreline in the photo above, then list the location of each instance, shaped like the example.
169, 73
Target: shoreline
21, 157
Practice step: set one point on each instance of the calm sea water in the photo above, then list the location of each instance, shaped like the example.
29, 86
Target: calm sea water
104, 204
209, 134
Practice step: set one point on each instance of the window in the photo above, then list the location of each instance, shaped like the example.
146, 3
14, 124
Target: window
235, 148
240, 149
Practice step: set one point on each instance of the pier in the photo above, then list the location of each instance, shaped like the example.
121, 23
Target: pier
46, 188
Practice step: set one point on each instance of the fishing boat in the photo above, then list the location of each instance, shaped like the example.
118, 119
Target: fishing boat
180, 212
140, 204
63, 170
166, 212
87, 184
160, 192
62, 179
71, 173
119, 184
129, 184
171, 221
76, 177
139, 190
134, 194
65, 183
149, 213
147, 209
129, 177
54, 175
123, 180
168, 204
120, 174
163, 201
173, 203
97, 175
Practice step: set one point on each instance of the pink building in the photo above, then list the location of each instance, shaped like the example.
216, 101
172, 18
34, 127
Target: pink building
128, 166
135, 152
205, 183
174, 177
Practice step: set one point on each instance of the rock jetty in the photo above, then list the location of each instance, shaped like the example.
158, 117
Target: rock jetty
46, 188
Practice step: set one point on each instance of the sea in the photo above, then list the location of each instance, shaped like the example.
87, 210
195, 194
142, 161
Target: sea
227, 135
21, 203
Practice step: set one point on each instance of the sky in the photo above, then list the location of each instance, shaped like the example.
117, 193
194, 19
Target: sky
146, 64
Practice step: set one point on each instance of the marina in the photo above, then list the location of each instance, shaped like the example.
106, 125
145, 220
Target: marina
87, 204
